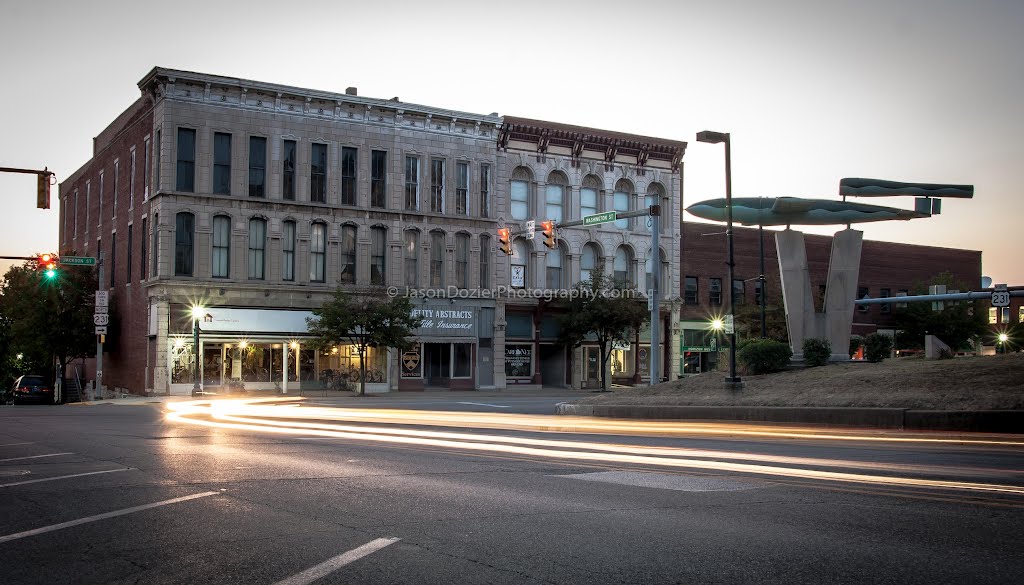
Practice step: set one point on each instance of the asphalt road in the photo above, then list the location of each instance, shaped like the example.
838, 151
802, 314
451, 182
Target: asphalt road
430, 489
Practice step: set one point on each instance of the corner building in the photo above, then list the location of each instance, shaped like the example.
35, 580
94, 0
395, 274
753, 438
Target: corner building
255, 201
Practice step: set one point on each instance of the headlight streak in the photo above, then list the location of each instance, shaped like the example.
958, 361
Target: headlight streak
244, 415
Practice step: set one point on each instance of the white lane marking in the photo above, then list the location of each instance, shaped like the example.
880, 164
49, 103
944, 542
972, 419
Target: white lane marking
35, 456
3, 485
113, 514
482, 404
333, 564
13, 444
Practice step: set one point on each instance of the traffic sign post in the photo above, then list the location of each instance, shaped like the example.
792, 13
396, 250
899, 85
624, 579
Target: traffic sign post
101, 319
531, 229
1000, 296
77, 260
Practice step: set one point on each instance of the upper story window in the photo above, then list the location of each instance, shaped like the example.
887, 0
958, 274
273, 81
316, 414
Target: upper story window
862, 293
186, 172
143, 245
378, 178
99, 214
318, 173
257, 248
412, 183
520, 264
117, 180
349, 158
485, 262
739, 292
589, 195
623, 266
318, 252
378, 255
588, 262
159, 156
554, 268
715, 291
288, 170
348, 254
74, 226
257, 166
554, 196
288, 250
885, 308
690, 291
485, 190
411, 250
437, 250
131, 179
462, 260
519, 193
462, 188
154, 270
221, 259
437, 185
620, 201
145, 168
184, 240
222, 163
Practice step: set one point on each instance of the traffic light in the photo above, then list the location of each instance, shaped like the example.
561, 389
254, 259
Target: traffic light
43, 191
550, 240
48, 264
506, 243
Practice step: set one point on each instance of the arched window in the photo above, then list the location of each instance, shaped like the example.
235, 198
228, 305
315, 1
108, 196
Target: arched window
623, 267
589, 196
462, 260
485, 262
520, 261
554, 261
378, 255
588, 262
411, 250
554, 196
437, 259
221, 260
348, 254
288, 251
184, 243
620, 201
318, 252
257, 248
519, 193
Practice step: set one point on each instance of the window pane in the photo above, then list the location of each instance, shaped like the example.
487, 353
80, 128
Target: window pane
690, 290
553, 200
412, 183
588, 201
318, 252
378, 178
621, 202
318, 174
485, 191
462, 188
437, 260
288, 245
222, 163
520, 200
186, 161
715, 291
257, 166
554, 268
288, 169
621, 267
348, 254
588, 263
221, 246
437, 186
485, 262
183, 241
378, 242
412, 251
257, 247
348, 175
463, 353
462, 260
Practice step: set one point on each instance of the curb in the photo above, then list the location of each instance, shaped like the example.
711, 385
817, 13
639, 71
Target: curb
986, 421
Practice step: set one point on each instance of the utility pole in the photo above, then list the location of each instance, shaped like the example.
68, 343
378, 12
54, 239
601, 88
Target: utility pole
98, 390
655, 374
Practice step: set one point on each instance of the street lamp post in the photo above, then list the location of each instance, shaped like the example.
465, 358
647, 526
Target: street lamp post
764, 324
197, 313
714, 138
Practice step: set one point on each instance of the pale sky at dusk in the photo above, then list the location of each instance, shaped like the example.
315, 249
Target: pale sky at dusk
811, 91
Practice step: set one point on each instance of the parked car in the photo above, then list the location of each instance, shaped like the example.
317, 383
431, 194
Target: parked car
31, 388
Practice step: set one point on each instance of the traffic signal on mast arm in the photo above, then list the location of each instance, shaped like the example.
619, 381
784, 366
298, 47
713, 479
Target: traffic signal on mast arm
43, 190
550, 240
505, 242
47, 263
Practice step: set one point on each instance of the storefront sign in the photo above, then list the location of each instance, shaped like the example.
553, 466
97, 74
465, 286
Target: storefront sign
254, 320
412, 365
446, 320
518, 360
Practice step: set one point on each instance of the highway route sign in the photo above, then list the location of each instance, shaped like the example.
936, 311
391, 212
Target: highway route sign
100, 319
1000, 296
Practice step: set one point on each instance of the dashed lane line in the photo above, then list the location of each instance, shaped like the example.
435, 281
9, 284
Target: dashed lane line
3, 485
333, 564
35, 456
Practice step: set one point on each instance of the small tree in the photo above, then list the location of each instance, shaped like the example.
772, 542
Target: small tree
605, 311
957, 324
764, 356
363, 322
877, 347
817, 351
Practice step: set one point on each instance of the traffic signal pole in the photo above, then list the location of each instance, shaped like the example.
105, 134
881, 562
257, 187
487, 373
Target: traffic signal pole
97, 389
43, 184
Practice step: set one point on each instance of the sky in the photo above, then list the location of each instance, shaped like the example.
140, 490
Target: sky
811, 91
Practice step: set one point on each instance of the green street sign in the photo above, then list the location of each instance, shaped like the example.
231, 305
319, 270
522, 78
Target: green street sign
599, 218
78, 260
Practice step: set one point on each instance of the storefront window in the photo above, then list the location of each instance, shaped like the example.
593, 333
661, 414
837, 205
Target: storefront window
343, 361
519, 360
463, 357
182, 362
622, 361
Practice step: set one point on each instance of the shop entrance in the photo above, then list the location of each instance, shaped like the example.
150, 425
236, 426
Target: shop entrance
552, 365
437, 359
591, 367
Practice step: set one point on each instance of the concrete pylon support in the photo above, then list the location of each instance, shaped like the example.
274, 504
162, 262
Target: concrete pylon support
796, 288
841, 291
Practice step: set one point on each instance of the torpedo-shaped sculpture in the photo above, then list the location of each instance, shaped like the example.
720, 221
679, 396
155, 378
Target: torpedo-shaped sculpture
797, 211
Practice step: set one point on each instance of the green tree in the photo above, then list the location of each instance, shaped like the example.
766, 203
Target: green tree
601, 309
363, 322
957, 324
748, 320
48, 319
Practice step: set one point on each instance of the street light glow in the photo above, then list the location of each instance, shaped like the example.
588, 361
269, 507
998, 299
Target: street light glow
717, 324
197, 312
1003, 338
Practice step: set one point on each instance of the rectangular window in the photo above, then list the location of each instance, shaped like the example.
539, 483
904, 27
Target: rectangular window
862, 292
257, 248
412, 183
1020, 314
485, 262
222, 163
131, 184
437, 260
143, 243
113, 258
257, 166
74, 226
88, 199
739, 292
993, 315
318, 253
99, 214
715, 291
520, 194
1005, 315
288, 247
412, 258
349, 158
886, 308
902, 293
288, 170
485, 190
348, 254
145, 172
620, 202
690, 292
154, 270
462, 260
117, 181
378, 178
221, 260
318, 173
437, 186
186, 173
378, 255
159, 156
588, 201
553, 198
128, 269
462, 188
463, 358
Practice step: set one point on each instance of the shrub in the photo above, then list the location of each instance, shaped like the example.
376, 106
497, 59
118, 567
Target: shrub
877, 347
855, 342
763, 356
817, 351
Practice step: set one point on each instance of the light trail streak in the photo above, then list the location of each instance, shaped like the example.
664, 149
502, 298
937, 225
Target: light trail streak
245, 415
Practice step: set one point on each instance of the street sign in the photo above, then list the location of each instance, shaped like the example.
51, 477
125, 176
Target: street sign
531, 229
1000, 296
100, 319
597, 218
102, 298
101, 310
78, 260
728, 322
101, 330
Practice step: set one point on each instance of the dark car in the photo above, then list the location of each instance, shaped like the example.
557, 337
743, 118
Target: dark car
31, 388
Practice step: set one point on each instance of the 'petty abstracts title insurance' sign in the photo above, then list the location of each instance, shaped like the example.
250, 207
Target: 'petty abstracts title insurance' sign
446, 320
